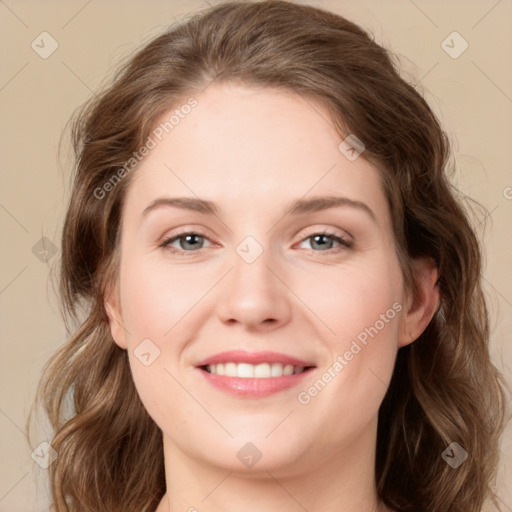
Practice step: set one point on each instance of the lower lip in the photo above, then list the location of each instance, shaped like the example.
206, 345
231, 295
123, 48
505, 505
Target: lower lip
253, 388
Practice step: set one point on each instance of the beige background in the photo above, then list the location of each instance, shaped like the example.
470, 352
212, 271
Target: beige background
472, 94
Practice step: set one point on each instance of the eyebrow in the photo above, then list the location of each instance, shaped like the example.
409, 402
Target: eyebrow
297, 207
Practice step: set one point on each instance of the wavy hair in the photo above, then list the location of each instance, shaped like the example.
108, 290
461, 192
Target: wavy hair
444, 387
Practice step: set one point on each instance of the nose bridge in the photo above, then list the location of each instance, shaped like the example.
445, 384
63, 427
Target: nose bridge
251, 264
252, 294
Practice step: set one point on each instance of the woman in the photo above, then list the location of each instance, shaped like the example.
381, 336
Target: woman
282, 295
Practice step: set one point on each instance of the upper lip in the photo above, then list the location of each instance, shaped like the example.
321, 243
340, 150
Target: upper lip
242, 356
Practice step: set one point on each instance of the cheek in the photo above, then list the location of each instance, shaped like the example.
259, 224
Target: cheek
155, 301
155, 297
360, 310
368, 334
347, 299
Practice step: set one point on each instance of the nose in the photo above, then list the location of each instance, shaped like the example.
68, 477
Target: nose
255, 295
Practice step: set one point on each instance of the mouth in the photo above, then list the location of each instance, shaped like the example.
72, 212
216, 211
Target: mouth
254, 375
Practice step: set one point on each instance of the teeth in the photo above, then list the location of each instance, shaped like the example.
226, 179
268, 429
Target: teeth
261, 371
250, 371
277, 370
288, 369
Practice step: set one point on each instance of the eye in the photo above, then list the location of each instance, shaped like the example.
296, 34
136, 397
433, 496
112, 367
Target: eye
188, 242
324, 241
192, 241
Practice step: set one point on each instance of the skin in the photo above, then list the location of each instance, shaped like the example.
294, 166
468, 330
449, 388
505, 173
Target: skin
252, 151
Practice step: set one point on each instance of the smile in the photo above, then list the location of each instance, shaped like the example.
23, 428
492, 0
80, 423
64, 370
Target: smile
253, 374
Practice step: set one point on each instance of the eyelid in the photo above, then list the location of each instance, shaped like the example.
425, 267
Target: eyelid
328, 230
185, 230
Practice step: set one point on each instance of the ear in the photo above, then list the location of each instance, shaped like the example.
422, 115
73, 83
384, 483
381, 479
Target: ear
419, 310
112, 305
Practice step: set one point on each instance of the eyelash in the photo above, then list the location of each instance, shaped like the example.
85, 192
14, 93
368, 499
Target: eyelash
344, 243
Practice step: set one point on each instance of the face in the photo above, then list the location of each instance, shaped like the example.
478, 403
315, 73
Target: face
256, 265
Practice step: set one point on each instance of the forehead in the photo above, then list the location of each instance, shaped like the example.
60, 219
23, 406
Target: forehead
252, 147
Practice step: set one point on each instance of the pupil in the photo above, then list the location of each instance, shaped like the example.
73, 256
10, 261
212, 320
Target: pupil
188, 237
320, 236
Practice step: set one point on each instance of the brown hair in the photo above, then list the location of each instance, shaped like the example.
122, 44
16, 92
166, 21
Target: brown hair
444, 388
